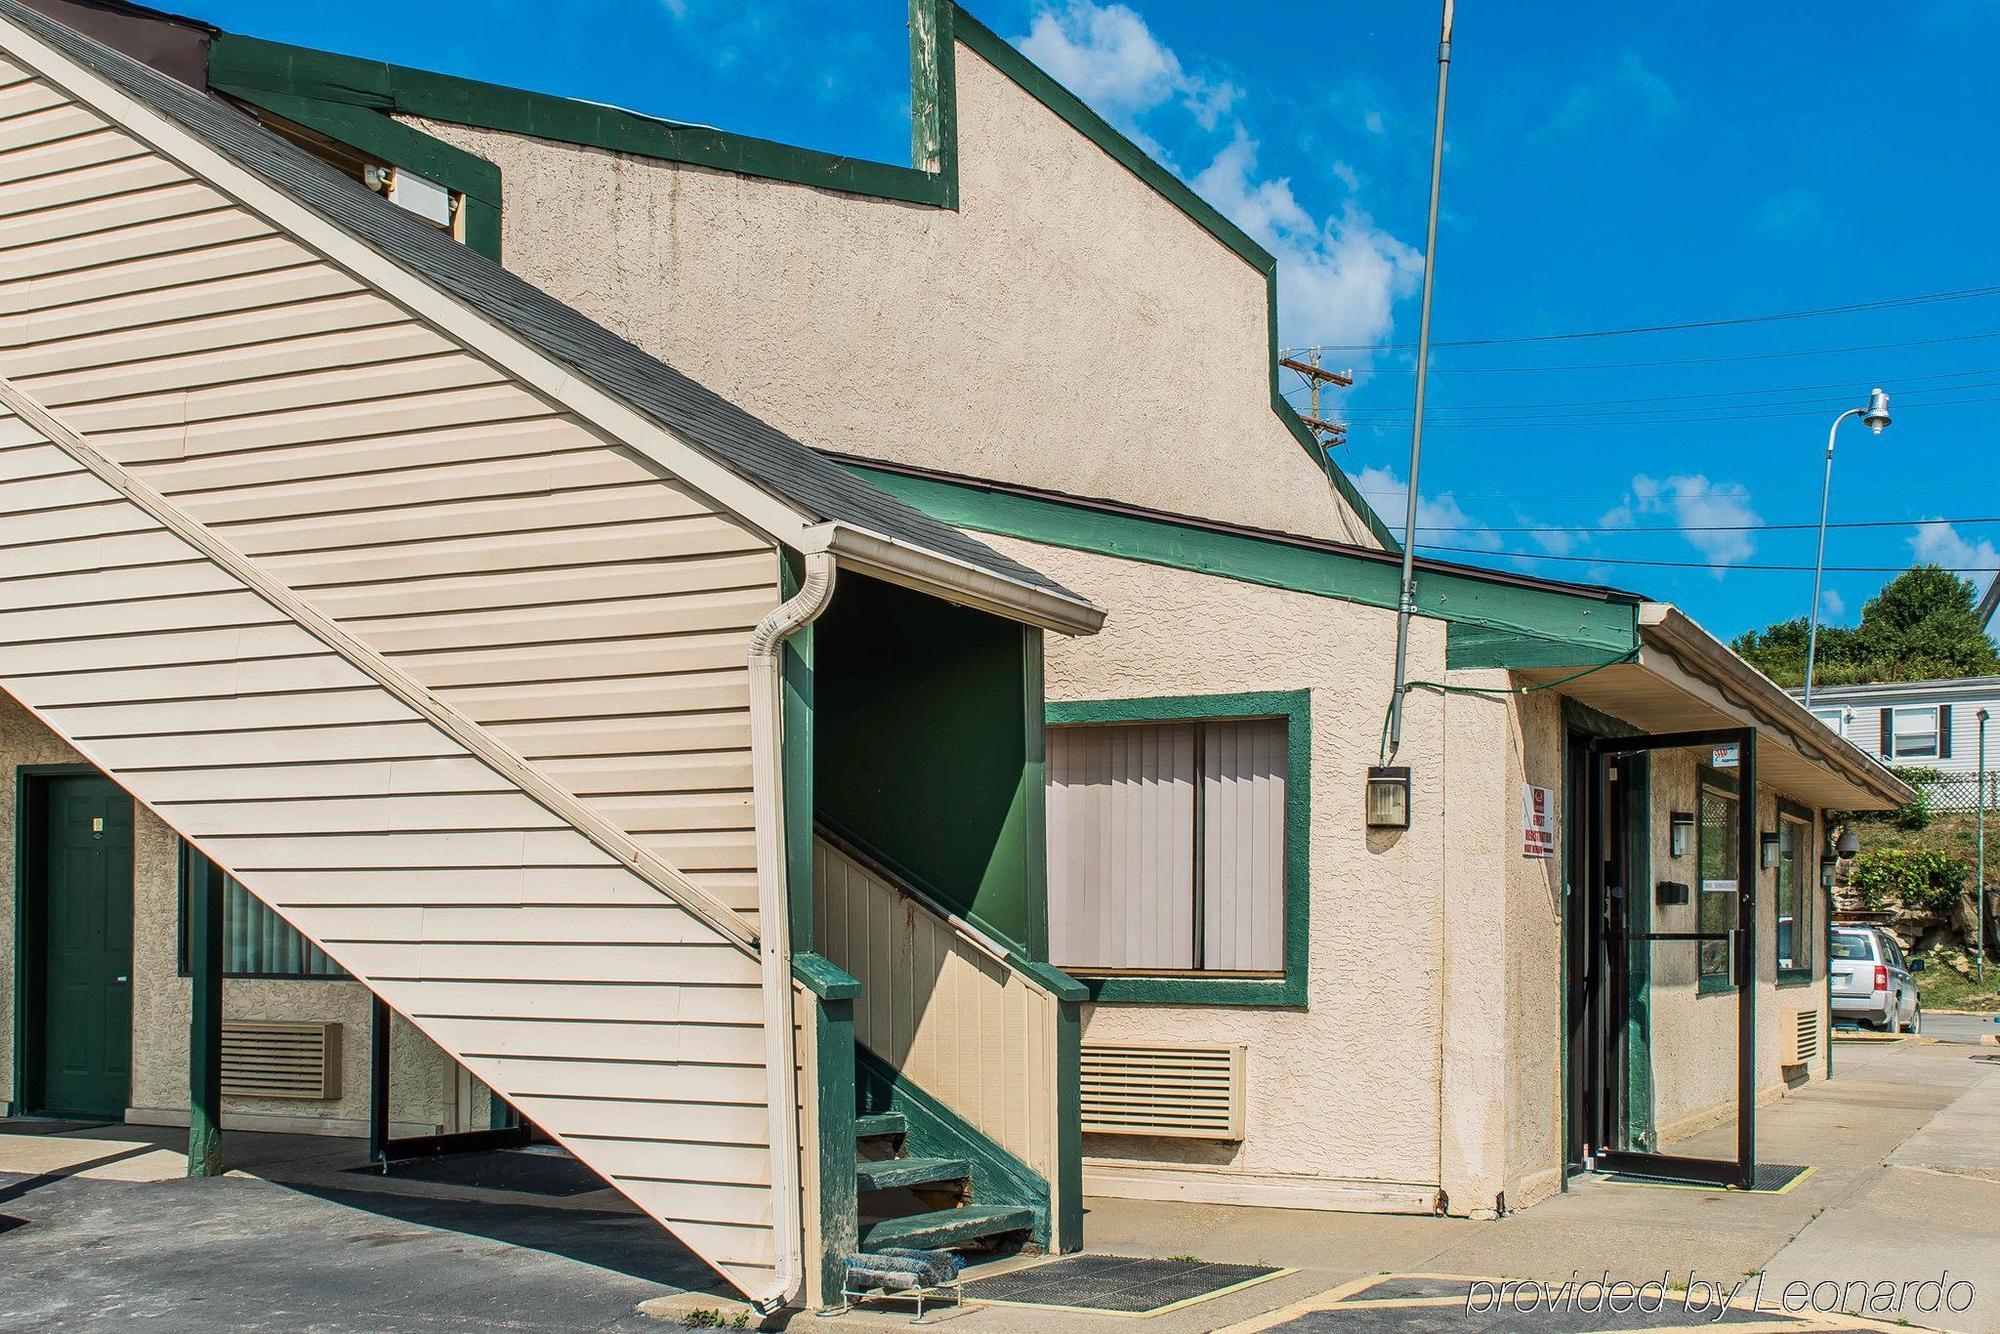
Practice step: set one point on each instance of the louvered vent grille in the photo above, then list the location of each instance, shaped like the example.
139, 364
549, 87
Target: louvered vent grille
1188, 1092
280, 1060
1802, 1037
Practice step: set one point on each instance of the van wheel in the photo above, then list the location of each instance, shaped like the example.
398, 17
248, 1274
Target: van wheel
1892, 1022
1917, 1019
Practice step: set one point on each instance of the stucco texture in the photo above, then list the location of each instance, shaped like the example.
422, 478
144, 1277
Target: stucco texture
1347, 1090
1065, 327
423, 1082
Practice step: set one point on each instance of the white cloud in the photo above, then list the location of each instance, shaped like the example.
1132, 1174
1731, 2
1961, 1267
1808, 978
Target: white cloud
1624, 98
1390, 496
1935, 542
1832, 603
1106, 55
1339, 276
1695, 502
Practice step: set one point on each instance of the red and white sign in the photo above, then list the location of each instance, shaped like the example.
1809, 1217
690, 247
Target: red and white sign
1538, 821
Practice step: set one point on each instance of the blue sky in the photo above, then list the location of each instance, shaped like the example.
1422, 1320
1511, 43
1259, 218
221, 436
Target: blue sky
1608, 166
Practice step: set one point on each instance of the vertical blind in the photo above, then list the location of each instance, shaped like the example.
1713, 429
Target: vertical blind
1167, 846
256, 942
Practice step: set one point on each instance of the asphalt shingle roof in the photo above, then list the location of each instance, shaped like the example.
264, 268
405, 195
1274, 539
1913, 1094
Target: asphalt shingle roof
752, 448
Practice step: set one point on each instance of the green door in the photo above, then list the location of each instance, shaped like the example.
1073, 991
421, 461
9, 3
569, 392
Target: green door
86, 892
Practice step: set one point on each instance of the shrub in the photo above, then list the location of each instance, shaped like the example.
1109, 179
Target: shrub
1917, 815
1928, 881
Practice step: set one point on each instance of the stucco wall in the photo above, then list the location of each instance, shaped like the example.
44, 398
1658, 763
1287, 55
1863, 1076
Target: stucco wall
423, 1083
1066, 327
1533, 987
1343, 1097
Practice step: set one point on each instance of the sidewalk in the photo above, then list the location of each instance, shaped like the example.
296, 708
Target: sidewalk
1906, 1185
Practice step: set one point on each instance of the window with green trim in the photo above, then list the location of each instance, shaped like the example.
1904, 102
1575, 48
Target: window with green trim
256, 942
1795, 895
1718, 834
1167, 852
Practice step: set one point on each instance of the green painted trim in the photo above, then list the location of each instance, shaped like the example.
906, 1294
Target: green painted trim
1295, 706
1795, 977
204, 927
1639, 1122
1067, 1226
935, 1131
397, 145
1590, 629
1034, 786
823, 977
839, 1220
252, 68
796, 761
934, 96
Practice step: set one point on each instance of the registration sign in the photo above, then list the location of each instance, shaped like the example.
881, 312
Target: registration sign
1538, 821
1724, 757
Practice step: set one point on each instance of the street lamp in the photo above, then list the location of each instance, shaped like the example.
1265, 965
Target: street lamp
1876, 417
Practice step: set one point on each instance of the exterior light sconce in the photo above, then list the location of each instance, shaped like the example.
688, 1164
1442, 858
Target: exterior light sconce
1827, 864
1849, 843
1767, 851
1388, 796
1680, 832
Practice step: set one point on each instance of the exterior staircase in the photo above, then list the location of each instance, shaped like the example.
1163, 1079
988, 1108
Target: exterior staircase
921, 1202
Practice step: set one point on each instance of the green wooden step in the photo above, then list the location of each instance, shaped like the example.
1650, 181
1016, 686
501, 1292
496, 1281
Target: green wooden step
903, 1173
879, 1123
945, 1228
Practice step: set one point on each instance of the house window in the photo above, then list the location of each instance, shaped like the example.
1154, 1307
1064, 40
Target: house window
1167, 850
1915, 732
1719, 867
1834, 718
1796, 884
256, 942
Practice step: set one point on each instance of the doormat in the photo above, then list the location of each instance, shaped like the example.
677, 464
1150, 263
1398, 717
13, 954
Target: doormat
1769, 1179
528, 1173
1116, 1284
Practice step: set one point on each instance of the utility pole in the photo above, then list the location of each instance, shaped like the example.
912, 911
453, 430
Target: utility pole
1329, 433
1980, 799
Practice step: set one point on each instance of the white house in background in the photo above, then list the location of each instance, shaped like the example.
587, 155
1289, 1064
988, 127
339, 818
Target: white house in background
1917, 724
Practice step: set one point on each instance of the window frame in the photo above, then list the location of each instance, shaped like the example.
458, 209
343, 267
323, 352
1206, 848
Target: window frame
1896, 712
1807, 929
1184, 988
1838, 723
183, 882
1724, 785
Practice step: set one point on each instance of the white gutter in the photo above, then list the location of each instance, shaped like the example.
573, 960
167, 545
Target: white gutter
1760, 696
863, 551
767, 706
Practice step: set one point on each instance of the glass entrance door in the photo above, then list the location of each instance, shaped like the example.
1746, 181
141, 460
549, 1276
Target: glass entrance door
1672, 926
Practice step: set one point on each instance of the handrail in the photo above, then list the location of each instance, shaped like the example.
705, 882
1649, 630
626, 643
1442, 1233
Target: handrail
671, 883
1043, 977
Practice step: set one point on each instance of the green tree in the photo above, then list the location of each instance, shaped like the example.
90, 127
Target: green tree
1920, 627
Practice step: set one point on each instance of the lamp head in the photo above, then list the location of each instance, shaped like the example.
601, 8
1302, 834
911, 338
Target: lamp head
1877, 415
1848, 844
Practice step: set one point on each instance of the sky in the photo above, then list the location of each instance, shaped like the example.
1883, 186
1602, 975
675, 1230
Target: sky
1609, 166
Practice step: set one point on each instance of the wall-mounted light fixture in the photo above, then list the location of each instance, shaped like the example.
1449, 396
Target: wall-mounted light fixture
1827, 865
1849, 843
1767, 851
1388, 796
1680, 833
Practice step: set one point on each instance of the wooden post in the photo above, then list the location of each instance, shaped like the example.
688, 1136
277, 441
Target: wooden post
204, 1152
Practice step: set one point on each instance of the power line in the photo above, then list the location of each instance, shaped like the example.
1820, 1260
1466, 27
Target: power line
1546, 423
1815, 312
1696, 564
1687, 361
1902, 381
1597, 498
1689, 527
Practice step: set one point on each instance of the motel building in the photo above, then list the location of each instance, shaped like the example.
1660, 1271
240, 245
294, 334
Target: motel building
523, 620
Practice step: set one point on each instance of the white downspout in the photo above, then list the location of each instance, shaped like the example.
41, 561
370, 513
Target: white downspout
774, 911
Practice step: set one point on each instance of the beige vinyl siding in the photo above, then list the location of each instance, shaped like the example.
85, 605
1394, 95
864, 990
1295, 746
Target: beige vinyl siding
962, 1026
590, 610
556, 975
543, 581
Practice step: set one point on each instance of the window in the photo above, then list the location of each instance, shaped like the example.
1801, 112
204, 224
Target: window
1913, 733
1719, 866
1853, 945
1796, 893
1834, 718
256, 942
1167, 847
